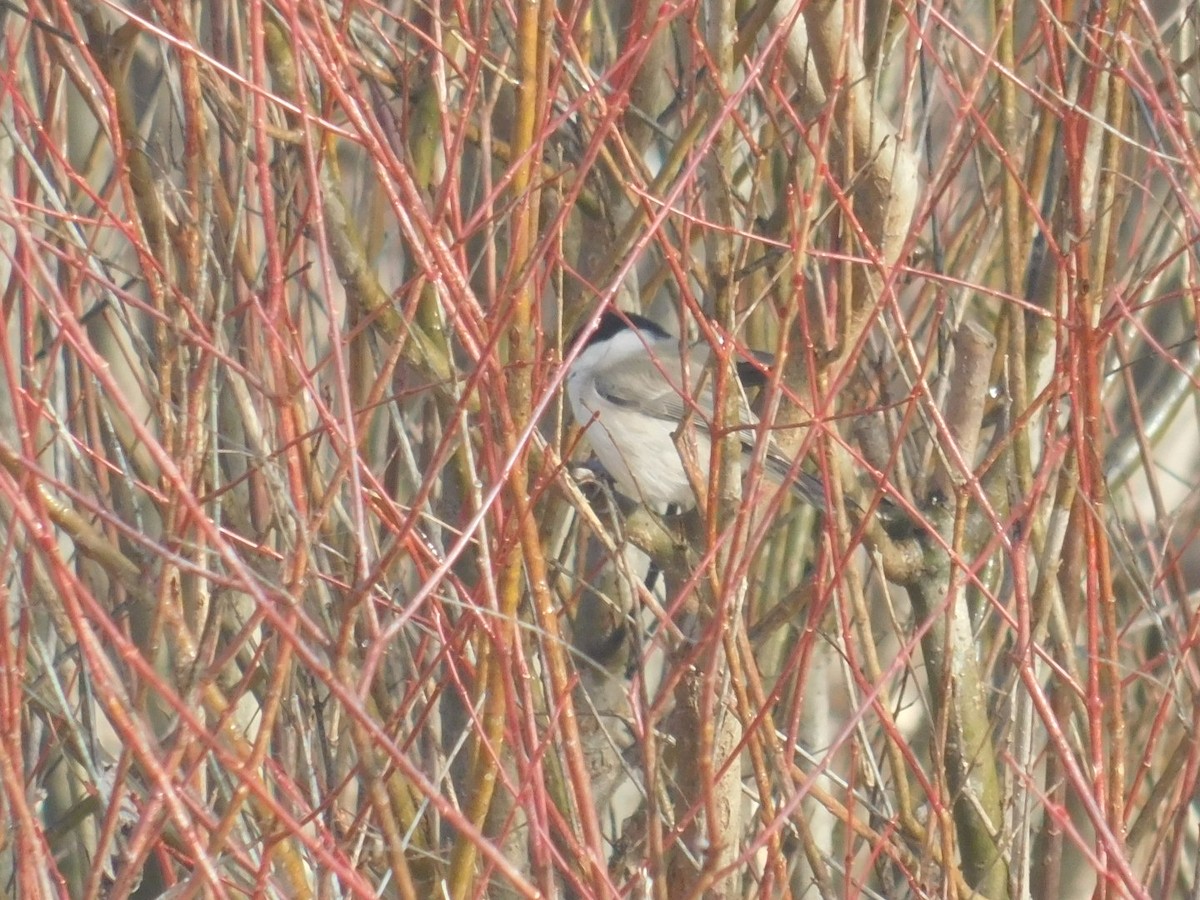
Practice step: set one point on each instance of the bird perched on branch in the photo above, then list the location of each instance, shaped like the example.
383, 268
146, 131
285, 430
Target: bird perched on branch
633, 385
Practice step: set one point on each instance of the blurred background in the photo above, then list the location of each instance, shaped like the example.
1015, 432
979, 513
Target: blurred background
308, 593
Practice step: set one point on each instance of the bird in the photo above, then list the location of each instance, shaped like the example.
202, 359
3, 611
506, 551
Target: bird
626, 388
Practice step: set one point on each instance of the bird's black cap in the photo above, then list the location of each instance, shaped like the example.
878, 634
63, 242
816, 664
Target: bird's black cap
751, 374
613, 322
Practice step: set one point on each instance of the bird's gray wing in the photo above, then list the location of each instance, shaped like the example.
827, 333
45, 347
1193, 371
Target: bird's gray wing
652, 386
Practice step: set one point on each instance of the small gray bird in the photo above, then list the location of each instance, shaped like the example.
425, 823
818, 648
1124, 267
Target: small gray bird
627, 392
